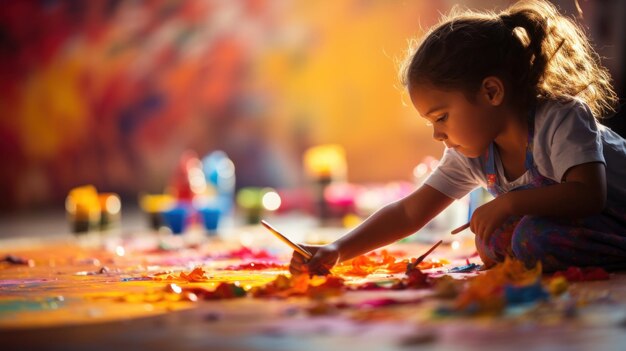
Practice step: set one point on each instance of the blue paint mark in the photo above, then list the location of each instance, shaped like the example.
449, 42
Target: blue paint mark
516, 295
134, 279
465, 269
50, 303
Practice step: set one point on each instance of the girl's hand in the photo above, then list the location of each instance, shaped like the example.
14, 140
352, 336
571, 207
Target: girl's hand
489, 217
324, 258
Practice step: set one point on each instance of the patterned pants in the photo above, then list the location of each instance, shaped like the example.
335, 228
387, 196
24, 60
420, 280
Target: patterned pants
598, 241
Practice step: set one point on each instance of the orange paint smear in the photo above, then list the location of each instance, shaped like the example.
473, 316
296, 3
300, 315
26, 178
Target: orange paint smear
365, 265
301, 285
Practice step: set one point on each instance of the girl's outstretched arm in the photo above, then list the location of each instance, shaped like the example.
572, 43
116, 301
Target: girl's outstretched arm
582, 193
387, 225
393, 222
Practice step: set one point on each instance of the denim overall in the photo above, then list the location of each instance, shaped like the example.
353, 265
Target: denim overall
598, 240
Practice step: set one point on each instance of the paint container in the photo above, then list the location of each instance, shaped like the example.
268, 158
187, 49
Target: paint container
154, 205
324, 165
249, 202
255, 203
188, 180
176, 218
340, 199
210, 218
82, 223
110, 211
219, 172
83, 209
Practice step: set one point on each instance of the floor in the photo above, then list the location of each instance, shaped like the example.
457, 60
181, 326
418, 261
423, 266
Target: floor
66, 299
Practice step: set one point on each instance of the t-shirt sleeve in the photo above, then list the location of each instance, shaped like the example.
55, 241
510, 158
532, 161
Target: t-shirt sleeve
575, 140
452, 176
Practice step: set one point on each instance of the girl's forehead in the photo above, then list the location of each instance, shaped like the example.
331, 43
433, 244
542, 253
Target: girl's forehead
429, 94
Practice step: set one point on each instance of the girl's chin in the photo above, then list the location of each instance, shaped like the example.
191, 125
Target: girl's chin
468, 153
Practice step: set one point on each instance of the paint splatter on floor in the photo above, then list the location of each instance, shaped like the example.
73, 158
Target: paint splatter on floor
73, 284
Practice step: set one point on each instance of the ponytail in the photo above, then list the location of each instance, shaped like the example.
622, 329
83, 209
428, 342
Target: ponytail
562, 62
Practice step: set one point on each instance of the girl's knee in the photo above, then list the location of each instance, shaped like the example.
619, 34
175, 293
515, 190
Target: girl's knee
531, 239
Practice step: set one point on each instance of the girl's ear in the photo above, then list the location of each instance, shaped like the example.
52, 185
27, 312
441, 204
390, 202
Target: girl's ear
492, 89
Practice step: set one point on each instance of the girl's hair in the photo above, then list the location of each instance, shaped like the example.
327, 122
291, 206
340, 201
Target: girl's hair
536, 52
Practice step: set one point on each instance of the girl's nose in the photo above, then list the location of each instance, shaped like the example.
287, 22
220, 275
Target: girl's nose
439, 136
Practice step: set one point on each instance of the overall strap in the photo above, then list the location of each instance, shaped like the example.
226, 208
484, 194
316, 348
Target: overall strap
529, 162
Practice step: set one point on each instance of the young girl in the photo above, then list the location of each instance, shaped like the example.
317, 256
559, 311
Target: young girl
513, 97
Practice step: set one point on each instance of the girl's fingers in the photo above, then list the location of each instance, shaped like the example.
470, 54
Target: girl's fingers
298, 264
320, 269
314, 262
297, 267
297, 258
318, 264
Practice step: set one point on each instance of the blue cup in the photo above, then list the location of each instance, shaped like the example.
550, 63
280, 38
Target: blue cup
210, 218
176, 218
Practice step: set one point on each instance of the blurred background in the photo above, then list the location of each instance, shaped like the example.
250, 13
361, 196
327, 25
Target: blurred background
113, 92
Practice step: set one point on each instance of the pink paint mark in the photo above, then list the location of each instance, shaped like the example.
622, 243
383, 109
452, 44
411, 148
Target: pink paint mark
578, 274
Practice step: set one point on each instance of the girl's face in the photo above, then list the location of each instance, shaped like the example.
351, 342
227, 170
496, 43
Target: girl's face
469, 127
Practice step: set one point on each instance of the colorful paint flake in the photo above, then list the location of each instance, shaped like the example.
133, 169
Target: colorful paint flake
222, 291
12, 259
507, 282
196, 275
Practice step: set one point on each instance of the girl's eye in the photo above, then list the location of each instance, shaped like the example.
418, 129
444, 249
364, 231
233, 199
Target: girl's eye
442, 118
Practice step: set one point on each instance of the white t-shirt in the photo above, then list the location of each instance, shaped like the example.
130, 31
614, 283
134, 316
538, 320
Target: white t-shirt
566, 135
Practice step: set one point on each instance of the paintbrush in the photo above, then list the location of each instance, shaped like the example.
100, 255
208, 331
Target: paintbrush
460, 229
411, 266
290, 243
